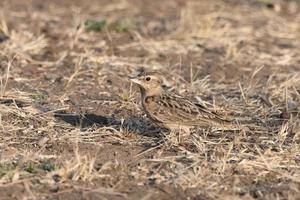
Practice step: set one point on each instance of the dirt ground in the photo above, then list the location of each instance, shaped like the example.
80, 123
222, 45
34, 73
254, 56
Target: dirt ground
71, 124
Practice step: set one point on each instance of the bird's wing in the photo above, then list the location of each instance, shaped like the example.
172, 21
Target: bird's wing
177, 109
164, 110
208, 113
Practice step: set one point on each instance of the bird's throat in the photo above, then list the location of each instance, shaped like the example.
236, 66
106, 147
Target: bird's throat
151, 91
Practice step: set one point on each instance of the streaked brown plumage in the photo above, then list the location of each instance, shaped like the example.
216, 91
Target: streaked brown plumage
173, 111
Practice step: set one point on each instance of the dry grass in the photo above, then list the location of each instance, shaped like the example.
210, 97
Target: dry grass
70, 120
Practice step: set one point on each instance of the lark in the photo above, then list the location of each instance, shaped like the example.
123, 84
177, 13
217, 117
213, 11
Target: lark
173, 111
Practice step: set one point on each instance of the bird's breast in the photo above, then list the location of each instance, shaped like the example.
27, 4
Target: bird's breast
149, 104
149, 99
151, 107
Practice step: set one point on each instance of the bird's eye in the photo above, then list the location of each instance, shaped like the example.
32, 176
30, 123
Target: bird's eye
148, 78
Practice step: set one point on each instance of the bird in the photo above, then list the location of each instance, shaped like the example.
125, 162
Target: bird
172, 111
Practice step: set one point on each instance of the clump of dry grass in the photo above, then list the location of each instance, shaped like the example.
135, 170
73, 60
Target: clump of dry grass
81, 167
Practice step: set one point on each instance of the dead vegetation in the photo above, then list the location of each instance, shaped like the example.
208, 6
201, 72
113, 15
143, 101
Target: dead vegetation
71, 124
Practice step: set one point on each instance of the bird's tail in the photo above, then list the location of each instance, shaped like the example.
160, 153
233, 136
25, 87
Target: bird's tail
248, 125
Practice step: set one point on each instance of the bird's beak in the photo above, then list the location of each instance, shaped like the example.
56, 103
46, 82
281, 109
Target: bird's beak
135, 80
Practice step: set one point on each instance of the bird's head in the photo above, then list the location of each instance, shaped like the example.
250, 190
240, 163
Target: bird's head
150, 83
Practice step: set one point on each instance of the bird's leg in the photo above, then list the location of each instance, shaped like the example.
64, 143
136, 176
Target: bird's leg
178, 135
179, 132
